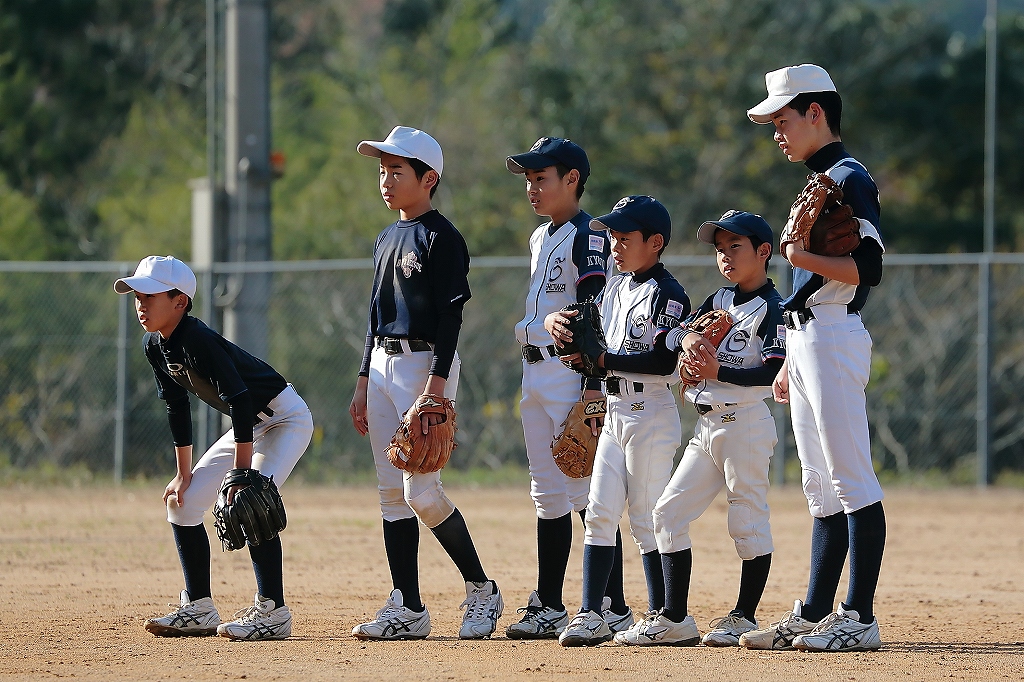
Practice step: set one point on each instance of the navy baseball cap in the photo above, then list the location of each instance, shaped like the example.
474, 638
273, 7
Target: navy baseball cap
738, 222
548, 151
634, 213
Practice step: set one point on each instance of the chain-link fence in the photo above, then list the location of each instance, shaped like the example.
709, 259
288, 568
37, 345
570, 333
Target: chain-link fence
77, 391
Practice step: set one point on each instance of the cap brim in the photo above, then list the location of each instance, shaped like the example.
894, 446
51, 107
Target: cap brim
706, 232
762, 113
373, 149
615, 221
520, 163
143, 285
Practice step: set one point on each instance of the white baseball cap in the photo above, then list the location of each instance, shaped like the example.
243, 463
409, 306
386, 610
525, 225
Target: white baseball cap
785, 84
157, 274
408, 142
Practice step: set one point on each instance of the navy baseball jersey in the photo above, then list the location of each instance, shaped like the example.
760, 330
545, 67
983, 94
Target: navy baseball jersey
861, 193
196, 359
420, 284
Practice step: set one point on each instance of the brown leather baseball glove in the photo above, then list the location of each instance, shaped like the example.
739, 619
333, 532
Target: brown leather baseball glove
819, 195
575, 447
713, 326
835, 233
413, 451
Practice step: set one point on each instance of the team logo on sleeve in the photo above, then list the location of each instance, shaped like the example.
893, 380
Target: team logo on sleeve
674, 309
409, 263
596, 243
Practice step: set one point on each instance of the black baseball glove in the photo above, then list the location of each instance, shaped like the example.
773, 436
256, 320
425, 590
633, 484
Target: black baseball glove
587, 339
255, 514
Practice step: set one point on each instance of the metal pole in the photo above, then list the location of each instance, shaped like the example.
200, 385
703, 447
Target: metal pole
122, 383
779, 412
984, 425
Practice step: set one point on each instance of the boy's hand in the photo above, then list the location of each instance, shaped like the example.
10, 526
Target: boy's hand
357, 408
177, 487
780, 387
557, 324
705, 365
435, 386
596, 423
691, 345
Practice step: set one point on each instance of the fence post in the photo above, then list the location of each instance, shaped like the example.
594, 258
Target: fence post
122, 381
984, 368
779, 412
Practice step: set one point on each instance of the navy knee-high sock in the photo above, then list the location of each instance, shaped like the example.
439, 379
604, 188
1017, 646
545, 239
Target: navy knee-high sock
597, 566
676, 567
753, 578
830, 541
402, 545
867, 541
453, 534
194, 553
615, 590
268, 565
554, 541
655, 580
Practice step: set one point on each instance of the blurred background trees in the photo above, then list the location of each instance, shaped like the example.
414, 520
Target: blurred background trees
102, 114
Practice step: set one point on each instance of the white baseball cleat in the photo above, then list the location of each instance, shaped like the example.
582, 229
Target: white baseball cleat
259, 621
483, 609
395, 621
585, 629
616, 622
841, 631
539, 621
197, 618
726, 631
657, 630
779, 635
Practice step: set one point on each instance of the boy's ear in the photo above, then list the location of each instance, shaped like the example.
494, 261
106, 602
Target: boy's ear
764, 250
572, 177
181, 301
657, 241
431, 178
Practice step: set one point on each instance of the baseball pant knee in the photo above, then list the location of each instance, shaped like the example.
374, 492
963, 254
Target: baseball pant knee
751, 535
670, 535
424, 494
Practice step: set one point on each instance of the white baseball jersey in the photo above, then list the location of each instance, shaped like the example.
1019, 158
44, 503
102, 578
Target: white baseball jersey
558, 263
635, 310
758, 334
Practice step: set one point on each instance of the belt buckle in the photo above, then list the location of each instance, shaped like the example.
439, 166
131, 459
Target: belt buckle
612, 384
791, 319
702, 409
392, 346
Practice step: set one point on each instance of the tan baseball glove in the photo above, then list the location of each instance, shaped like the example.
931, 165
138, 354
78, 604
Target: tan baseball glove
713, 326
819, 195
411, 450
575, 447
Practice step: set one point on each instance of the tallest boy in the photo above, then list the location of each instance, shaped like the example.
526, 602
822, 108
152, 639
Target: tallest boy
823, 378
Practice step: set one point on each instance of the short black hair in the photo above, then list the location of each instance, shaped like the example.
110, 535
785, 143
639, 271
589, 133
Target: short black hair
648, 233
420, 169
562, 169
829, 101
174, 293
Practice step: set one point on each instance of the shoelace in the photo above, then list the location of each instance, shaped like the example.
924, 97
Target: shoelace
390, 610
249, 614
830, 621
725, 622
532, 613
785, 620
475, 605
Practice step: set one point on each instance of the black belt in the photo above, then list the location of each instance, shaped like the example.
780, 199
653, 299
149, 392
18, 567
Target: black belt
614, 385
394, 346
795, 319
265, 413
703, 409
533, 354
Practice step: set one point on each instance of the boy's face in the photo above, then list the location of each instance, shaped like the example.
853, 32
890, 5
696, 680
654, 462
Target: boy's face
549, 194
399, 185
159, 312
738, 261
798, 136
631, 253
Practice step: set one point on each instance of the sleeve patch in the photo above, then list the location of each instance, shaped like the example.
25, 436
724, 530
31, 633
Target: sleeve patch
674, 308
780, 331
596, 243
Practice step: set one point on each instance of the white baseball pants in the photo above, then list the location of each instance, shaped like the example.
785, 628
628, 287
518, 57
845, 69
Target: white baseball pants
829, 360
395, 383
731, 447
633, 464
550, 389
277, 444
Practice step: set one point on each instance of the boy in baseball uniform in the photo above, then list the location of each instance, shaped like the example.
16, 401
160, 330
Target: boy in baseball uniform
270, 429
732, 441
823, 379
568, 263
639, 307
420, 286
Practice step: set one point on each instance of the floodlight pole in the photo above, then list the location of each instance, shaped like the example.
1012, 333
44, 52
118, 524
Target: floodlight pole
984, 424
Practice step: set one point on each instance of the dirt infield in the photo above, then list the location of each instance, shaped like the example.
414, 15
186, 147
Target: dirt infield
82, 568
